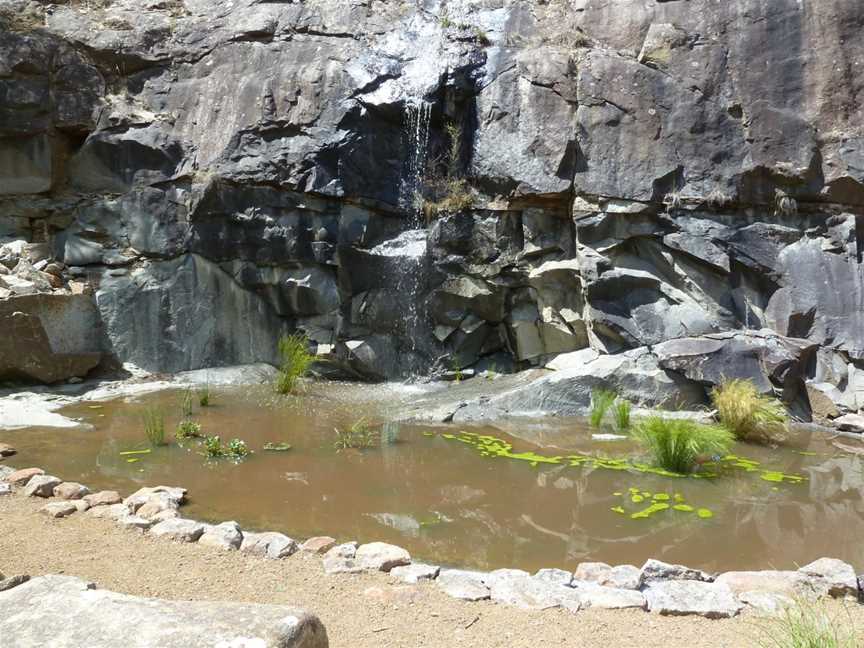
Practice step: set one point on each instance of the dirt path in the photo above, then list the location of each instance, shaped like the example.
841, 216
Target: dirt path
369, 610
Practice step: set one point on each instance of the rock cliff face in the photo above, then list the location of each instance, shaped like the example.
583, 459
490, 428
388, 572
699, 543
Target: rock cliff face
613, 174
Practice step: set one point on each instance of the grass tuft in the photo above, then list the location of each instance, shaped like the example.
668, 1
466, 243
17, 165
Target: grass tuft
747, 413
358, 436
601, 401
621, 410
187, 429
187, 403
296, 360
154, 426
234, 449
677, 445
204, 396
805, 625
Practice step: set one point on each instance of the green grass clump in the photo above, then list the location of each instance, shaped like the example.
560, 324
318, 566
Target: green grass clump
677, 444
186, 403
358, 436
234, 449
621, 410
747, 413
237, 449
805, 625
187, 429
601, 401
296, 360
204, 396
154, 426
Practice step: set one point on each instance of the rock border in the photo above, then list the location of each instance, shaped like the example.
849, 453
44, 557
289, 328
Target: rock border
656, 587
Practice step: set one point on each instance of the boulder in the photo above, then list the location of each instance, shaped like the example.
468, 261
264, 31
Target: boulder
318, 544
341, 559
839, 577
41, 486
620, 576
850, 423
556, 576
462, 584
380, 556
268, 545
109, 511
608, 598
685, 597
6, 450
415, 572
21, 477
5, 471
5, 489
657, 570
517, 588
162, 497
71, 491
786, 583
65, 612
226, 536
134, 522
766, 602
103, 498
59, 509
12, 581
179, 530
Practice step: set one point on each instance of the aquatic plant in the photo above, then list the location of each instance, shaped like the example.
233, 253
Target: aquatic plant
805, 624
747, 413
621, 410
204, 395
187, 429
358, 436
186, 403
277, 447
654, 503
296, 360
154, 426
215, 449
237, 449
678, 444
601, 401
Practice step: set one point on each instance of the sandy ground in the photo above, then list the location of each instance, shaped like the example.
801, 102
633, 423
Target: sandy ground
368, 610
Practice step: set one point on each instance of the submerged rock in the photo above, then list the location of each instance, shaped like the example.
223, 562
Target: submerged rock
60, 610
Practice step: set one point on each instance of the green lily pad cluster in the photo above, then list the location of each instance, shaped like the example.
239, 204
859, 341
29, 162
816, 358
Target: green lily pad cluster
656, 503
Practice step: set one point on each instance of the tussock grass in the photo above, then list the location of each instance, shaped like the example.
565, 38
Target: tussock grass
677, 445
358, 436
187, 430
621, 410
204, 396
601, 401
154, 426
187, 403
296, 360
805, 624
747, 413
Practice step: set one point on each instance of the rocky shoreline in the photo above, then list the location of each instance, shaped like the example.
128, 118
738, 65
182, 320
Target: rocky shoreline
656, 587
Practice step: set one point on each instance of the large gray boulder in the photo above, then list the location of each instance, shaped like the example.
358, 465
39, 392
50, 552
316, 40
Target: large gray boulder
68, 612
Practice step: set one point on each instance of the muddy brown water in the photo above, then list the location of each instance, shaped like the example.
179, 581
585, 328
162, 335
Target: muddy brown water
445, 502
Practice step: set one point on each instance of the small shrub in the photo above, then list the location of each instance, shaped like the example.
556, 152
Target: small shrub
677, 444
601, 401
804, 625
747, 413
186, 403
621, 410
187, 429
154, 426
296, 360
204, 396
358, 436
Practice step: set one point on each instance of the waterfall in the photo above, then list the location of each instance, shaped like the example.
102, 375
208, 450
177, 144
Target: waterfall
415, 134
593, 340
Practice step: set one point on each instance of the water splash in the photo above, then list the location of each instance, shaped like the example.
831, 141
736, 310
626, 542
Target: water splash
415, 133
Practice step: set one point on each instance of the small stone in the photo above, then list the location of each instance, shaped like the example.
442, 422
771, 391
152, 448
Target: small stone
656, 570
555, 576
462, 584
41, 486
380, 556
268, 545
179, 529
318, 544
7, 450
610, 598
766, 602
415, 572
59, 509
13, 581
226, 536
684, 597
5, 489
71, 491
340, 559
838, 576
21, 477
103, 498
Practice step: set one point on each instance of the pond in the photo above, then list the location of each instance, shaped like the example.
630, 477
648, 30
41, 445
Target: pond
522, 493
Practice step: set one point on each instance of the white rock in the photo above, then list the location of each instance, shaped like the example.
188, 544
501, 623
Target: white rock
555, 576
111, 511
682, 597
850, 423
59, 509
380, 556
268, 545
766, 602
787, 583
415, 572
609, 598
165, 497
134, 522
462, 584
71, 491
179, 529
657, 570
529, 593
226, 536
340, 559
41, 486
5, 489
838, 576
